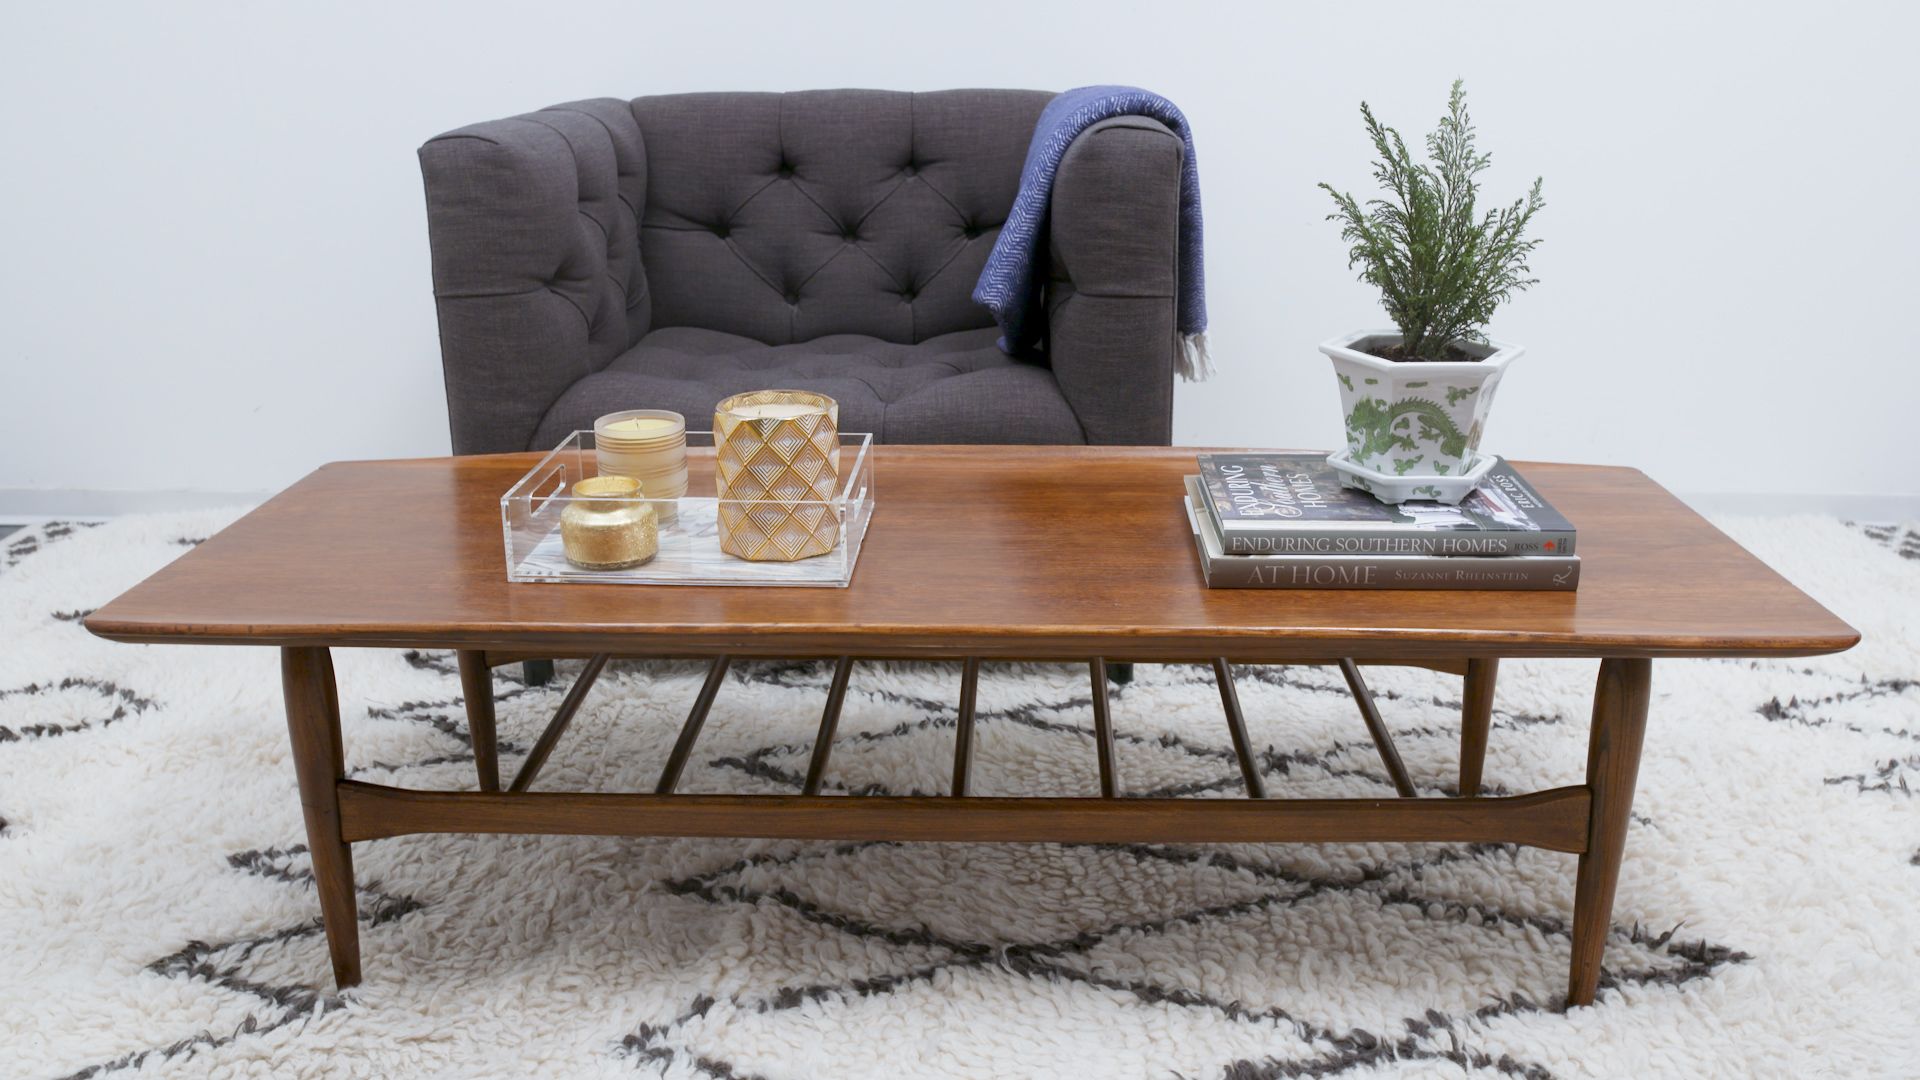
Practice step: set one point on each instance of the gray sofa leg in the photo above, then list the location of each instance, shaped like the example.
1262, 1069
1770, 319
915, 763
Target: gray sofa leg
537, 672
1120, 673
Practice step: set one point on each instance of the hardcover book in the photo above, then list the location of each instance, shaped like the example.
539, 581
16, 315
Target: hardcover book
1294, 504
1222, 570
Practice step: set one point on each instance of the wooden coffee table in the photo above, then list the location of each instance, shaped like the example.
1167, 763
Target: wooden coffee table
1027, 553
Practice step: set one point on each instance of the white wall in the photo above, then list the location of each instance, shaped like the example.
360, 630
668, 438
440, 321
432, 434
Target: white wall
215, 258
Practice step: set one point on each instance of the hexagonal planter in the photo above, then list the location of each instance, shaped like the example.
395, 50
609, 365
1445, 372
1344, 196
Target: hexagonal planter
1415, 418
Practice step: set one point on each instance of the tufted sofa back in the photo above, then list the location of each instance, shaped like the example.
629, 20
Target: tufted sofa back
785, 217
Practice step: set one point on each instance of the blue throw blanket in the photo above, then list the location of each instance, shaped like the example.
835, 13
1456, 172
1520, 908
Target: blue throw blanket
1009, 286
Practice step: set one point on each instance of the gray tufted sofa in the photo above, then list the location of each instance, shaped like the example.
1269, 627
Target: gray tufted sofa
669, 251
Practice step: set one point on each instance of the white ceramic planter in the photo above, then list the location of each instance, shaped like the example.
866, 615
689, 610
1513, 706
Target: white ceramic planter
1415, 419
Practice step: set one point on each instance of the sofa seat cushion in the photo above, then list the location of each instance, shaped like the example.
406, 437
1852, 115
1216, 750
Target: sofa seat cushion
955, 388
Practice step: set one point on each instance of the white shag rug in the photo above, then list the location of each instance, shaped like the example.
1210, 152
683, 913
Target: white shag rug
157, 916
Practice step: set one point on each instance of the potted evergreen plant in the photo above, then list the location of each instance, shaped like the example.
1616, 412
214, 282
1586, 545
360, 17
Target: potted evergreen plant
1416, 397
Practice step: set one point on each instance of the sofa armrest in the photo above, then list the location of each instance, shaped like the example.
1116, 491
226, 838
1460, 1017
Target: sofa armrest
1113, 244
534, 223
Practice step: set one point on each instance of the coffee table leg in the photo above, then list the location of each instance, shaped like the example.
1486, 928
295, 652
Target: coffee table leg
313, 721
476, 686
1476, 717
1613, 761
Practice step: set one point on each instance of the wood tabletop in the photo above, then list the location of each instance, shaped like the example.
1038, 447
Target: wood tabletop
1066, 552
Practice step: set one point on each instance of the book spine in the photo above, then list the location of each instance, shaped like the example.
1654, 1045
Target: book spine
1547, 573
1450, 543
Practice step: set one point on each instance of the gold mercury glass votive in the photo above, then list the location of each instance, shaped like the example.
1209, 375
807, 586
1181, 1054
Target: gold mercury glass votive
603, 528
776, 467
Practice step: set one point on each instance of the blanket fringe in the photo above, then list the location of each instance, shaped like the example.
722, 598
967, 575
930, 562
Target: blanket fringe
1192, 361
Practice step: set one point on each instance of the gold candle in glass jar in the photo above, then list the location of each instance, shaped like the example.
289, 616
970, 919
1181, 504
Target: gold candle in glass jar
777, 466
604, 527
649, 445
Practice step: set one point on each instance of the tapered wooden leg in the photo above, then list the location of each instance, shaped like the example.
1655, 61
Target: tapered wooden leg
476, 685
1476, 717
1613, 761
313, 722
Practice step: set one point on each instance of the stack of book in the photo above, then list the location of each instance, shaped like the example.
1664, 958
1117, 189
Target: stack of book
1283, 521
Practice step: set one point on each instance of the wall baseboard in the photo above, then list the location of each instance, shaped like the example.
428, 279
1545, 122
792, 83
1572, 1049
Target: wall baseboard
33, 506
1853, 506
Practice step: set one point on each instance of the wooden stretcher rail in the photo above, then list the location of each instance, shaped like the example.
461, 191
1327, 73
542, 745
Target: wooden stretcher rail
504, 658
1555, 819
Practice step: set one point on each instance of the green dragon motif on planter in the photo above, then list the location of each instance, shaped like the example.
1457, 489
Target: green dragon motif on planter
1370, 427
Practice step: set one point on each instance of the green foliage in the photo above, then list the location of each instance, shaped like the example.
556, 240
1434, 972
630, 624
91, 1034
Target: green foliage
1441, 268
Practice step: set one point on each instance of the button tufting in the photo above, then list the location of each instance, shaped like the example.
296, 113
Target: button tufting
721, 231
909, 169
908, 296
785, 170
793, 297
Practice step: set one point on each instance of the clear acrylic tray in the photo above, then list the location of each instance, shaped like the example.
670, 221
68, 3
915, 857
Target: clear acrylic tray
690, 545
